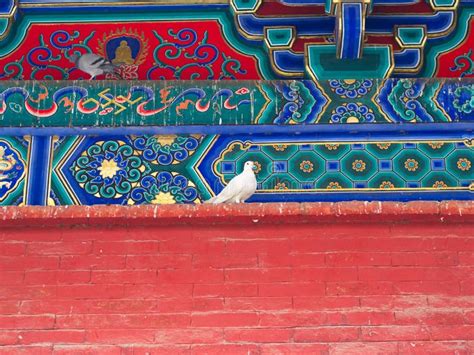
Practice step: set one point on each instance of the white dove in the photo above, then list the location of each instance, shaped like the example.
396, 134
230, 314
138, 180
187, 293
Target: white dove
240, 188
93, 64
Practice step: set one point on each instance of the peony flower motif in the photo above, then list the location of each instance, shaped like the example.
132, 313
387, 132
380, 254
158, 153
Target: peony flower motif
280, 147
358, 165
440, 185
411, 165
331, 146
258, 167
163, 198
281, 186
306, 166
384, 146
334, 186
435, 145
464, 164
387, 185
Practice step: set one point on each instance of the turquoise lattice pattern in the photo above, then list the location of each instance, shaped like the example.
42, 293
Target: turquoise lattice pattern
295, 167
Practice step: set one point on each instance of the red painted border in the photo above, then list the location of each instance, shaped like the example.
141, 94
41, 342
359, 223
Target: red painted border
347, 212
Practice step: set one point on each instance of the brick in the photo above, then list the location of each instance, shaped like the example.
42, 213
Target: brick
220, 349
159, 261
325, 303
29, 263
86, 350
126, 247
325, 274
268, 260
60, 248
193, 276
9, 338
429, 317
394, 302
293, 349
155, 349
433, 348
428, 287
26, 322
12, 248
254, 246
225, 290
452, 332
88, 262
292, 319
126, 321
90, 291
358, 259
225, 261
392, 333
189, 336
20, 292
123, 277
360, 318
258, 275
160, 290
359, 288
52, 336
120, 336
225, 320
258, 303
362, 348
26, 350
466, 258
405, 273
425, 259
464, 302
326, 334
291, 289
56, 277
9, 307
11, 278
197, 245
258, 335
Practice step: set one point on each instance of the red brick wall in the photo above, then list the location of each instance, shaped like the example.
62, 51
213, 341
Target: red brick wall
367, 282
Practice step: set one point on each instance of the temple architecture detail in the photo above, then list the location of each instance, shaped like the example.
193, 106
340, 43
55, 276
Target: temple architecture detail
332, 100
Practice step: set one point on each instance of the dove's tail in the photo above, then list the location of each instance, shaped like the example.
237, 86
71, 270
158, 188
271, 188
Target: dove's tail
211, 200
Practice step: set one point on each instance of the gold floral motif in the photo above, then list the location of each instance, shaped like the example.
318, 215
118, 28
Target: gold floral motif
108, 169
464, 164
384, 146
258, 167
306, 166
334, 186
387, 185
440, 185
435, 145
281, 186
331, 146
411, 165
280, 147
358, 165
166, 139
163, 198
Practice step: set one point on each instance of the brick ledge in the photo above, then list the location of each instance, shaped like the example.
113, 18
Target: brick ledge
353, 212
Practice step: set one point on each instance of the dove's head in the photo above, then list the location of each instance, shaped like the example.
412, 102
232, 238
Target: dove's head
249, 166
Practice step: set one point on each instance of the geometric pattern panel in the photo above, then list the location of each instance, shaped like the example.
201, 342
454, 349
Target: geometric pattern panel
191, 168
13, 166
